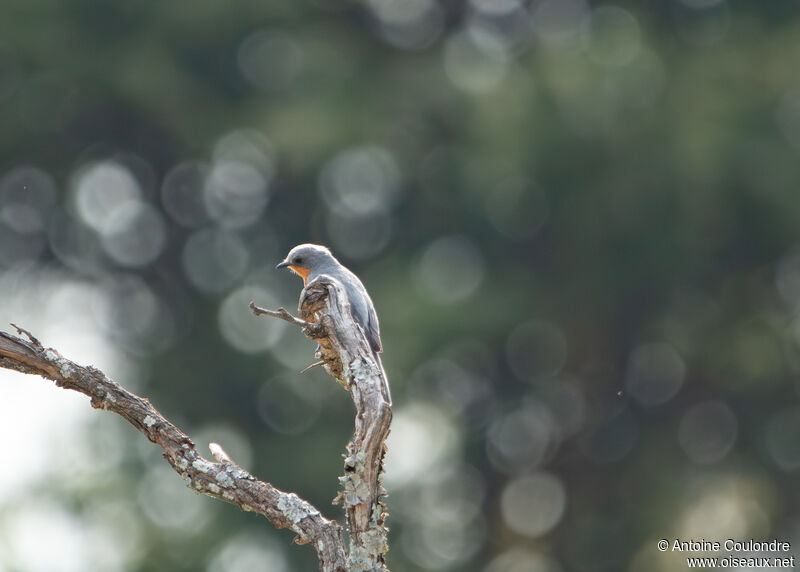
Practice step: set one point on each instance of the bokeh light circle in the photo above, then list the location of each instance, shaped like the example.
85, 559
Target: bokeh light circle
520, 440
240, 328
612, 36
557, 22
451, 270
248, 146
214, 259
476, 59
246, 551
164, 501
359, 237
270, 59
360, 182
100, 189
523, 560
134, 234
235, 193
534, 504
655, 373
422, 437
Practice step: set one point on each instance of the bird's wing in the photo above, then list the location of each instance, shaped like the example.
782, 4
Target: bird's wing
361, 307
373, 328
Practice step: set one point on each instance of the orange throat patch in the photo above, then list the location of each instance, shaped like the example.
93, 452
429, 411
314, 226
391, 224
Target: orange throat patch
301, 272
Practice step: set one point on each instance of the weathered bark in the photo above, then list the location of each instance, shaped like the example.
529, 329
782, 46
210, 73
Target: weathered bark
347, 356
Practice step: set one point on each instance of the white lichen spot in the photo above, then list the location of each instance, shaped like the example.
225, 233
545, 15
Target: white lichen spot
108, 401
356, 461
181, 463
240, 474
214, 488
201, 466
374, 541
360, 560
360, 370
228, 496
64, 366
149, 421
294, 508
225, 479
184, 446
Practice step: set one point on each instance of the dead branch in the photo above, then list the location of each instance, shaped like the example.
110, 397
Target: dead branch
345, 353
348, 357
222, 479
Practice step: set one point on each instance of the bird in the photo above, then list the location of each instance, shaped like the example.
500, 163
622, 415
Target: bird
311, 260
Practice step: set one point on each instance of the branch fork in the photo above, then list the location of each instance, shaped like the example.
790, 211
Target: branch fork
324, 312
344, 350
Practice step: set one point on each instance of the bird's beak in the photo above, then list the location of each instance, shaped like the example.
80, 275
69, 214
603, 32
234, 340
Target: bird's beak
283, 264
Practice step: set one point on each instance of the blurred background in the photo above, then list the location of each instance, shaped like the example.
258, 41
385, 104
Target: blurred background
578, 221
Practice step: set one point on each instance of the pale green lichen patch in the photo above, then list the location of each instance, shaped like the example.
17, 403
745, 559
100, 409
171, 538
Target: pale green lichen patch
378, 514
202, 466
225, 480
149, 421
181, 463
355, 489
355, 461
213, 488
362, 560
108, 401
294, 508
374, 541
64, 367
238, 473
361, 370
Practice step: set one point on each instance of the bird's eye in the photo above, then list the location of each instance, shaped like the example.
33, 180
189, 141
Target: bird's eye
298, 260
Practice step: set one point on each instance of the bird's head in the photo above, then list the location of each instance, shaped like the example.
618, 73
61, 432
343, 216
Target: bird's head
305, 258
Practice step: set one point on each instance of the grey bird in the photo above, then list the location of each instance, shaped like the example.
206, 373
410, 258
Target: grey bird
311, 260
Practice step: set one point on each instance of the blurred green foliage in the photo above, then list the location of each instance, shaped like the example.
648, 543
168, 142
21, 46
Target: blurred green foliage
577, 220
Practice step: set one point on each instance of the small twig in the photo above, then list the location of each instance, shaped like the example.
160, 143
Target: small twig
283, 314
219, 453
313, 365
28, 335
